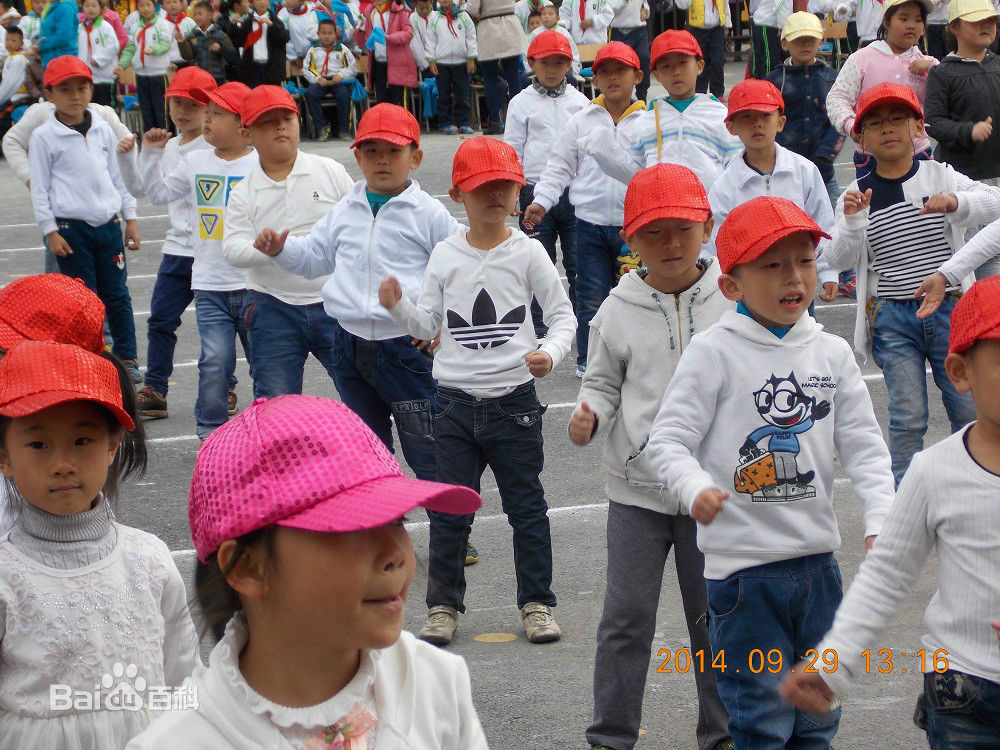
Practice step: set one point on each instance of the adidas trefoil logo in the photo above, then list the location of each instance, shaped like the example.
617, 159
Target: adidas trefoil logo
315, 195
485, 332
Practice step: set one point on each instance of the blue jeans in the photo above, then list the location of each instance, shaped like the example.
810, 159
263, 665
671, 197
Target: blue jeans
597, 250
786, 605
963, 712
315, 95
901, 345
454, 86
98, 260
559, 223
505, 434
220, 320
151, 90
829, 175
389, 378
171, 295
281, 337
510, 67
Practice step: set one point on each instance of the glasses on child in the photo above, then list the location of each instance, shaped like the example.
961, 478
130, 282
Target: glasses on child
896, 121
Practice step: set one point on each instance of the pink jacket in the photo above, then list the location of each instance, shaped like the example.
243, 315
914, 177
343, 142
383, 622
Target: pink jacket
402, 67
112, 17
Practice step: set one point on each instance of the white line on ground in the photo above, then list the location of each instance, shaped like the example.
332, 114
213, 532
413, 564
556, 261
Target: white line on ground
34, 224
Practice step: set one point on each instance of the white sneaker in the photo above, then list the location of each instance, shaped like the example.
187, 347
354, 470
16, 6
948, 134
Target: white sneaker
539, 624
442, 621
580, 370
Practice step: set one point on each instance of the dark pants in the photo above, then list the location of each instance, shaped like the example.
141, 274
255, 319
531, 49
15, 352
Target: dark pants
454, 86
104, 93
597, 249
510, 68
151, 90
171, 295
315, 95
221, 320
98, 260
713, 48
638, 39
963, 711
559, 223
384, 91
505, 434
935, 40
853, 40
389, 378
765, 50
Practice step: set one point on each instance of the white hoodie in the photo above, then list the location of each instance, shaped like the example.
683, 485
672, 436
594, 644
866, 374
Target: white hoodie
423, 701
535, 123
637, 338
451, 46
795, 398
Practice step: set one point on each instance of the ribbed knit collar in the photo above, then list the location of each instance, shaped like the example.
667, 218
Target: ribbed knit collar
90, 526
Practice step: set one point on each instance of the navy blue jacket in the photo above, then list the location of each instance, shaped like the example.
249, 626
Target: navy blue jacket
808, 130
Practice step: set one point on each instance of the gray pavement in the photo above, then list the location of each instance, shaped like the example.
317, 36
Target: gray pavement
527, 696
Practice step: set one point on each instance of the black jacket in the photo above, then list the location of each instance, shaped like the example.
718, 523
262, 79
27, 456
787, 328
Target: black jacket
961, 93
196, 49
276, 36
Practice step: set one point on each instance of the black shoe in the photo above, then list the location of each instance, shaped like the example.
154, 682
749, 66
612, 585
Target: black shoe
493, 128
471, 555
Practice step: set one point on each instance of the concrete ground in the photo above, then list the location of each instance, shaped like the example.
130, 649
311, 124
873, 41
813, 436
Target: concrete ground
527, 695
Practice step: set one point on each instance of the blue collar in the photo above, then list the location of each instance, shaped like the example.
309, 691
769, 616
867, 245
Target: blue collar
778, 331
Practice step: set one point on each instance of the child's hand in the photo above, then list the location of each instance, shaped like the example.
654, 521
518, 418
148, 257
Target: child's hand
214, 47
433, 68
581, 424
533, 215
829, 293
156, 137
708, 505
58, 245
132, 235
335, 79
807, 691
855, 201
118, 71
869, 543
539, 363
126, 144
322, 81
470, 66
270, 242
919, 67
932, 292
390, 293
982, 130
940, 204
586, 23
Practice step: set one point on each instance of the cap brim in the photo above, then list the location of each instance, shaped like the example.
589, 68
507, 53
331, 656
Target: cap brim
9, 337
991, 334
383, 135
891, 100
184, 94
471, 183
382, 501
257, 115
62, 79
762, 245
974, 16
563, 55
627, 63
36, 402
682, 213
802, 32
661, 55
211, 96
765, 108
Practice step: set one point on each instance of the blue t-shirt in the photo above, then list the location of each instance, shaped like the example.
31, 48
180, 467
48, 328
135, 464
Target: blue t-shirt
778, 331
377, 200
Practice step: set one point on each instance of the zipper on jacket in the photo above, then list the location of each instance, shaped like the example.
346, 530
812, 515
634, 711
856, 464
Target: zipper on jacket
368, 291
680, 330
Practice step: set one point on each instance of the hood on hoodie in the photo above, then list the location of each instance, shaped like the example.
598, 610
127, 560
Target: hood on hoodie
633, 289
803, 333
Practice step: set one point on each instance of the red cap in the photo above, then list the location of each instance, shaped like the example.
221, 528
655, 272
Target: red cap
673, 40
754, 95
480, 160
266, 99
549, 44
63, 68
618, 51
38, 374
882, 94
230, 96
388, 122
191, 83
752, 228
664, 191
51, 307
976, 316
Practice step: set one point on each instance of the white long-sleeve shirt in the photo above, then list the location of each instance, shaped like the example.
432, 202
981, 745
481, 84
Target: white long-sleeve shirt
186, 27
75, 176
99, 49
480, 301
772, 13
535, 123
947, 503
320, 61
446, 47
12, 83
983, 247
601, 12
304, 197
801, 396
418, 45
303, 30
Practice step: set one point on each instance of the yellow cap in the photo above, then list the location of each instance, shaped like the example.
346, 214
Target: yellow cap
927, 5
802, 23
971, 10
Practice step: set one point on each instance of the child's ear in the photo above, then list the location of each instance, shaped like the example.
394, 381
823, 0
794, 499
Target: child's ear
456, 195
416, 156
709, 225
730, 126
956, 366
114, 442
700, 64
784, 45
730, 287
5, 467
781, 121
249, 574
920, 125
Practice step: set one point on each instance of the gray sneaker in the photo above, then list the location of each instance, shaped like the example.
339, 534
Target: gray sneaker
440, 627
539, 624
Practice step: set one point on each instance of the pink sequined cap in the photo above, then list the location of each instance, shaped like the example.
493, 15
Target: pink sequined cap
306, 463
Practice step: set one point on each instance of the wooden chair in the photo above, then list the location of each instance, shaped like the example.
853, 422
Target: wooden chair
835, 33
132, 119
588, 53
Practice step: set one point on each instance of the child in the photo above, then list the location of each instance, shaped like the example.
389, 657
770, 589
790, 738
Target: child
707, 21
962, 664
30, 22
892, 264
634, 347
599, 201
385, 30
208, 46
893, 58
535, 21
172, 291
536, 118
588, 21
524, 9
289, 188
77, 193
756, 116
804, 81
63, 424
550, 22
420, 19
487, 413
208, 178
767, 372
386, 225
303, 28
99, 49
57, 30
12, 90
318, 533
263, 38
149, 45
451, 56
9, 17
180, 27
766, 52
325, 68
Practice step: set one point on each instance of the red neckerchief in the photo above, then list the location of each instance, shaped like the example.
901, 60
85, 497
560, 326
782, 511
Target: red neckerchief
326, 62
583, 11
381, 15
300, 12
254, 36
449, 17
140, 39
177, 22
88, 26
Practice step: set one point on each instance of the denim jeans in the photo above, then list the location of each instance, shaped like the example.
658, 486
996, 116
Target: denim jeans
901, 345
314, 97
829, 175
510, 67
281, 337
454, 86
963, 711
171, 295
389, 378
559, 223
638, 39
505, 434
786, 605
596, 269
151, 90
98, 260
220, 320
